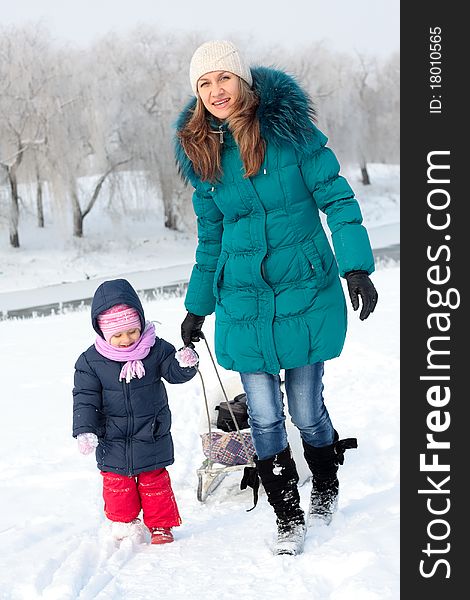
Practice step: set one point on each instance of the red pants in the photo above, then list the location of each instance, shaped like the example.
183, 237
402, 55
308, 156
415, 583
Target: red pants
151, 491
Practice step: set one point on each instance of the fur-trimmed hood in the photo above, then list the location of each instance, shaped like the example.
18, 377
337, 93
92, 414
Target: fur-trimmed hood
285, 112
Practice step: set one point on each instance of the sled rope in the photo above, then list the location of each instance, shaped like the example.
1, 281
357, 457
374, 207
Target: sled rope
234, 419
207, 413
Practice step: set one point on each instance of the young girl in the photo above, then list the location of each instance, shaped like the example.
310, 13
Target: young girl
120, 407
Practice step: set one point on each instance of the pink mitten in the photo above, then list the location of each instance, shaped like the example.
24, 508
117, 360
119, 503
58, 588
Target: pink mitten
87, 442
187, 357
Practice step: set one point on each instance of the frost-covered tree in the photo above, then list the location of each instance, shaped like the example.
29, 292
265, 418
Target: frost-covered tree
24, 106
69, 116
141, 76
82, 142
388, 109
357, 101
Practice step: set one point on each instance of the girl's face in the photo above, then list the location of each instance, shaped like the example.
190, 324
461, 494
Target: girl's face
123, 339
219, 91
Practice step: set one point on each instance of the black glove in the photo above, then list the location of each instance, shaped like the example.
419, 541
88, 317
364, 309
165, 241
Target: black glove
359, 284
191, 329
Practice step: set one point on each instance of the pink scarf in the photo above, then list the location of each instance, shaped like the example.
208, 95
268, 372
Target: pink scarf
133, 354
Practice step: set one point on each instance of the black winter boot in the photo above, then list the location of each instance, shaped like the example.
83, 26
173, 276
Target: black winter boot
323, 463
279, 477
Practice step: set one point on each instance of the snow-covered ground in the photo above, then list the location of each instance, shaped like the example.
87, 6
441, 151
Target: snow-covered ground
52, 529
54, 542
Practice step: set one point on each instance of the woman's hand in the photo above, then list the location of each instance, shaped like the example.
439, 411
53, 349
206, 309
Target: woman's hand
191, 329
359, 284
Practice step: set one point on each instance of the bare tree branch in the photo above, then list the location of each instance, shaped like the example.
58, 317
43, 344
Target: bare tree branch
99, 185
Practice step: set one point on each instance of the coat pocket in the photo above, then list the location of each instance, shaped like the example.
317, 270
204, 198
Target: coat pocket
311, 253
219, 274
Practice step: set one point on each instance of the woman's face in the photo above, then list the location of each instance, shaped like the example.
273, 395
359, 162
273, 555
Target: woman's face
219, 91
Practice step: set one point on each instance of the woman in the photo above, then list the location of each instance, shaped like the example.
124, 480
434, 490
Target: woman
261, 172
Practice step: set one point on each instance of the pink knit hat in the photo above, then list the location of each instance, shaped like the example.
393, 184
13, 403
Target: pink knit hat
119, 317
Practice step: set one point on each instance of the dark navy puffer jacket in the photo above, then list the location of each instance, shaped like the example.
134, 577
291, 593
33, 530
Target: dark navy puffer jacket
132, 420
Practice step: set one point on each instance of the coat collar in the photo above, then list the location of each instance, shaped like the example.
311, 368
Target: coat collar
285, 113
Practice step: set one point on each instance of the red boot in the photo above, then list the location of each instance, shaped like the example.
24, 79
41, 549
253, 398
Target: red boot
161, 535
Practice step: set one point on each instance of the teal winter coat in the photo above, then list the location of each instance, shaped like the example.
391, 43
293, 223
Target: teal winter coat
263, 260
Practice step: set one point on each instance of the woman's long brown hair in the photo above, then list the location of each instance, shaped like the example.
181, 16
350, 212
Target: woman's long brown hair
203, 148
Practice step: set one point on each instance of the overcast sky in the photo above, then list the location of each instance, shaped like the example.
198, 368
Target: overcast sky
370, 26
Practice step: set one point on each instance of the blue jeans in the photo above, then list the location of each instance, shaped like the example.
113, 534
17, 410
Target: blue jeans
304, 390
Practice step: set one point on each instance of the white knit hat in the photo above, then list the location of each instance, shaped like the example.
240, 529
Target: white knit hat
218, 55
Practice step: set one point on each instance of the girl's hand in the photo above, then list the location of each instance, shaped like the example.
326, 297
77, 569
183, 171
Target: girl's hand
187, 357
87, 442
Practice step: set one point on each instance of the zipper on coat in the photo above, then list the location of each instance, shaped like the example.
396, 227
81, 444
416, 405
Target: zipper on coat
130, 427
221, 134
